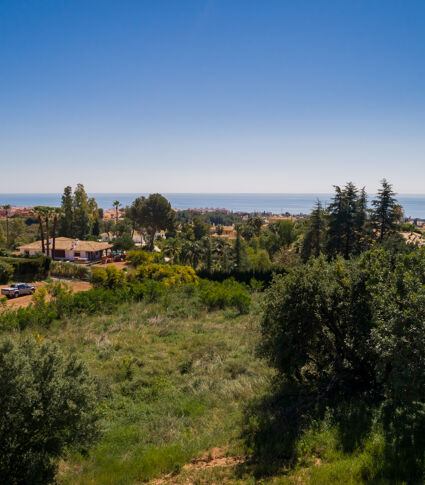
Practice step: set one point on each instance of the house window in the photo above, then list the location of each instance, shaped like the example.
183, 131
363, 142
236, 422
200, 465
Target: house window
59, 253
76, 255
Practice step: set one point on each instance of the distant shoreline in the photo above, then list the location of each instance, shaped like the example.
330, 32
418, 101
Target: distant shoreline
302, 203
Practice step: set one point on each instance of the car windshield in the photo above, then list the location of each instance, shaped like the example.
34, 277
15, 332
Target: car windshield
13, 286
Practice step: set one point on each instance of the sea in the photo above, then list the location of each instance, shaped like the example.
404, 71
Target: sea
413, 204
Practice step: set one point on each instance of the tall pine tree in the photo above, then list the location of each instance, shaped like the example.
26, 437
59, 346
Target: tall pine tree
343, 232
385, 213
315, 238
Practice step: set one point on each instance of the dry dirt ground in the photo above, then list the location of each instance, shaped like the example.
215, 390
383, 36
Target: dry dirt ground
215, 467
118, 264
24, 301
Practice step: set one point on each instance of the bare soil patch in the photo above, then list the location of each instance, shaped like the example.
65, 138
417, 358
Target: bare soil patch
210, 468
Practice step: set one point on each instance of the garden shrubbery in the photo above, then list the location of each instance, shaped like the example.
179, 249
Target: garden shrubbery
62, 269
30, 268
6, 272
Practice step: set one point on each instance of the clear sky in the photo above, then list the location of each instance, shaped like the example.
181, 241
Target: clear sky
211, 95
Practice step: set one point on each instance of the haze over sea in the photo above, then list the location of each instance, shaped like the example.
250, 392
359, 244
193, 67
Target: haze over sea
413, 204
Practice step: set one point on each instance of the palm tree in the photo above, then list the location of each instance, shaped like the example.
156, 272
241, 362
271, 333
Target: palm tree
172, 249
116, 204
6, 207
46, 220
56, 212
40, 212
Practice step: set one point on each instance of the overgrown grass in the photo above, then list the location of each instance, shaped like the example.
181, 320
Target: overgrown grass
173, 379
174, 382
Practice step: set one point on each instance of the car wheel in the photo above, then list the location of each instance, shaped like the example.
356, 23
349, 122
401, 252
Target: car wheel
16, 295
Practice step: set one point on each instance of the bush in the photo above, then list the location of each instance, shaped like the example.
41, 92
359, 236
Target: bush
136, 257
221, 295
47, 404
29, 269
169, 274
266, 277
62, 269
110, 277
6, 272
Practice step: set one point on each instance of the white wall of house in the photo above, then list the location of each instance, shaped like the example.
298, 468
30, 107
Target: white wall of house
69, 254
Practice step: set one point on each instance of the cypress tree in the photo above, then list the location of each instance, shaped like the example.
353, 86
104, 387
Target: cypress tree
67, 219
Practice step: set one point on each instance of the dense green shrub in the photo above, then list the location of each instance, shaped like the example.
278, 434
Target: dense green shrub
47, 404
169, 274
109, 277
347, 339
62, 269
266, 277
28, 269
6, 272
221, 295
136, 257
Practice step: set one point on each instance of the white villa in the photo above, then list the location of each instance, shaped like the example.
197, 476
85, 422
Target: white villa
137, 237
67, 249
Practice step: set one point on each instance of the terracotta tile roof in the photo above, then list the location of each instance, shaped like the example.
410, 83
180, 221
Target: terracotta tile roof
68, 244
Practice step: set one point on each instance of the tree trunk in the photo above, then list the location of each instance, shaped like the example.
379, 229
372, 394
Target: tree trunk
7, 229
41, 233
152, 239
55, 220
47, 235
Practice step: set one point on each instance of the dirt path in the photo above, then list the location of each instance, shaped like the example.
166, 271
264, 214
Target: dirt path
24, 301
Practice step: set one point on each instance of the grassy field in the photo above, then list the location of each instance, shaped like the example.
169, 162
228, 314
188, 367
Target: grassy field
174, 382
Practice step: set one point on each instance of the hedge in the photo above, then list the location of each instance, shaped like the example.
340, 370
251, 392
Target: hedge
28, 269
265, 277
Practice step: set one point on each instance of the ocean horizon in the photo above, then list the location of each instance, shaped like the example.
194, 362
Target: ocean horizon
302, 203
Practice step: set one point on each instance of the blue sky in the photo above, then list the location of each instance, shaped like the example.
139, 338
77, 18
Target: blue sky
211, 95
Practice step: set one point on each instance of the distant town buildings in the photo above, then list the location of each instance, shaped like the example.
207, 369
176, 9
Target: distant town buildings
16, 211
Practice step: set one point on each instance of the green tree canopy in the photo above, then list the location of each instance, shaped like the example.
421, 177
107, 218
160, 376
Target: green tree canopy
66, 225
47, 404
314, 241
154, 214
3, 242
386, 211
347, 338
